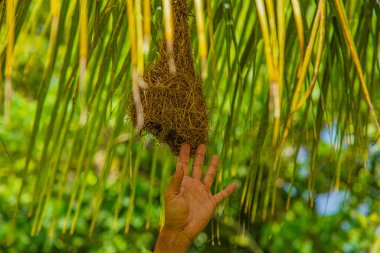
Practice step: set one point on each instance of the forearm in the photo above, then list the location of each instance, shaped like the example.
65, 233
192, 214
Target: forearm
171, 241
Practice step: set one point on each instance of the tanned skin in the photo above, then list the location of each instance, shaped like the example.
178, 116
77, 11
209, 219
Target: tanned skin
189, 203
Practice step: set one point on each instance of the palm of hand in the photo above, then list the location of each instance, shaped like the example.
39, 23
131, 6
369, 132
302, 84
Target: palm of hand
190, 210
189, 204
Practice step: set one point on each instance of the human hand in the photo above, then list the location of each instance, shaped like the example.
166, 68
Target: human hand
189, 204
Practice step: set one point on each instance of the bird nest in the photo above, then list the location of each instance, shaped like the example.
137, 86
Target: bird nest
173, 104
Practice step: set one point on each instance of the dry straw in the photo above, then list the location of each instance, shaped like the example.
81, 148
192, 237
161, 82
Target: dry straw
173, 104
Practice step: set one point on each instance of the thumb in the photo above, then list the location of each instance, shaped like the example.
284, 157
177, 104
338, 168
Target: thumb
175, 184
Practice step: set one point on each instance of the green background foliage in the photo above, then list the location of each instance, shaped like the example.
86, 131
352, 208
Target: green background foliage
328, 166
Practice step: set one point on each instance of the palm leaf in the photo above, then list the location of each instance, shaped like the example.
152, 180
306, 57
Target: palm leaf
266, 90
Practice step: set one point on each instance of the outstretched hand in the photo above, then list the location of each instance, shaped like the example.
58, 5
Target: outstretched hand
189, 204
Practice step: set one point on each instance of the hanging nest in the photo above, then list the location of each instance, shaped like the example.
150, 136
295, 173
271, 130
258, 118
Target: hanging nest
173, 104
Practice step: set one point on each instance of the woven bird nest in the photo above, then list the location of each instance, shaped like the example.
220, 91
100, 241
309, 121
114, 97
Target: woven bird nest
173, 104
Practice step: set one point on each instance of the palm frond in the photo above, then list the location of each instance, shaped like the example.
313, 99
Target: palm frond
277, 76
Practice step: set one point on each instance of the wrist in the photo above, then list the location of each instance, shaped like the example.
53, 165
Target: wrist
171, 240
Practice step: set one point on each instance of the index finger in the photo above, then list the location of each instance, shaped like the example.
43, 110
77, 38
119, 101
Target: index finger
184, 157
211, 172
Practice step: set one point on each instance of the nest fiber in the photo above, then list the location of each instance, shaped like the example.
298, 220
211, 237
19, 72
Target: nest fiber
173, 104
